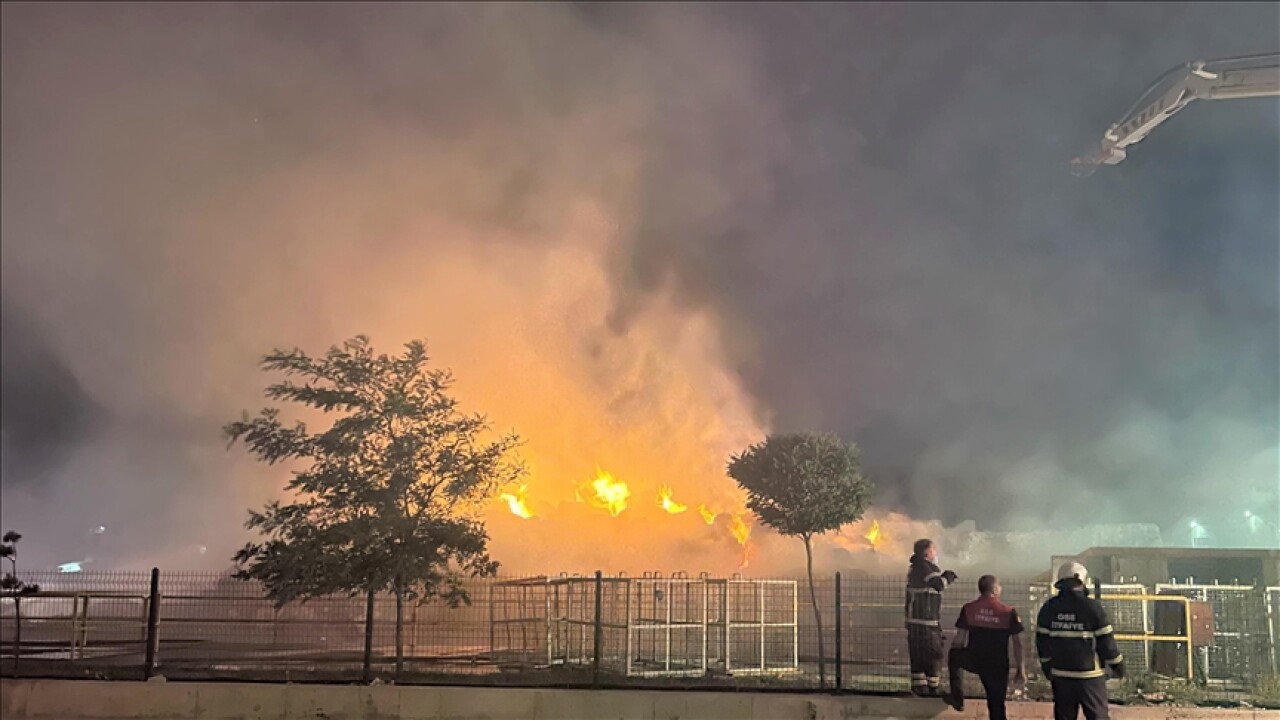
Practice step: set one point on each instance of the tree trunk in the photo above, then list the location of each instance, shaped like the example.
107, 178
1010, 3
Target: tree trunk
399, 631
17, 632
366, 663
817, 615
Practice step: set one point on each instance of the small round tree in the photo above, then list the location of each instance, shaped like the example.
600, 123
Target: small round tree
804, 485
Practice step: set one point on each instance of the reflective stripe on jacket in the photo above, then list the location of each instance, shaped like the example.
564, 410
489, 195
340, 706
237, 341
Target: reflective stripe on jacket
1074, 639
924, 593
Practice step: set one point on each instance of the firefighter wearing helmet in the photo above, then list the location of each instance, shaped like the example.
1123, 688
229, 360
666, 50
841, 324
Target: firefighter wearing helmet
1077, 646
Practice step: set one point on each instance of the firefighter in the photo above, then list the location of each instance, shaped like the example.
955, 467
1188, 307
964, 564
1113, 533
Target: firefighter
1077, 646
985, 629
925, 583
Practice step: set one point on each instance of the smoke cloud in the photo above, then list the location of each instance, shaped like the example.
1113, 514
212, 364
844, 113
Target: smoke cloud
641, 236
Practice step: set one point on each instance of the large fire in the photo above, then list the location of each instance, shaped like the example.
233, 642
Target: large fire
608, 415
608, 493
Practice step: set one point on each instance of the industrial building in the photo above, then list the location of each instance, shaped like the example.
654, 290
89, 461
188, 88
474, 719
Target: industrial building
1159, 565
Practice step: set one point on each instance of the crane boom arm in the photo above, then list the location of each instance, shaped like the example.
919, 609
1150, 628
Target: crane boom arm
1226, 79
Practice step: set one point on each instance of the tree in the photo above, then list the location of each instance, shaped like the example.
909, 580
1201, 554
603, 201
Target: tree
385, 498
804, 485
12, 586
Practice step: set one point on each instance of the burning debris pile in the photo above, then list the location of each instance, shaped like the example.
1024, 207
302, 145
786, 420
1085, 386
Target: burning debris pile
621, 532
614, 497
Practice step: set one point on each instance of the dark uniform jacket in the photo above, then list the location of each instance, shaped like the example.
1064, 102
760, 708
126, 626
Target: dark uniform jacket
1074, 639
990, 623
925, 584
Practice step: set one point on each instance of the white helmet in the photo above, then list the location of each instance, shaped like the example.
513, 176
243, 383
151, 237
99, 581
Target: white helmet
1072, 569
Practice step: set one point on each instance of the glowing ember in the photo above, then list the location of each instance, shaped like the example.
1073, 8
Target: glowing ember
707, 515
609, 494
873, 535
666, 503
517, 503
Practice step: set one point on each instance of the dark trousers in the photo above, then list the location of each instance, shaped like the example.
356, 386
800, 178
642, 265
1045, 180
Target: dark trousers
924, 644
1070, 696
993, 673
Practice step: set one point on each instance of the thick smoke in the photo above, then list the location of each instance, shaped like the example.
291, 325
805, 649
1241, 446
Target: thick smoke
44, 413
641, 236
920, 272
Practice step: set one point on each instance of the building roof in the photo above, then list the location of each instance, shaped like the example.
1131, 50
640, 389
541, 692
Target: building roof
1185, 552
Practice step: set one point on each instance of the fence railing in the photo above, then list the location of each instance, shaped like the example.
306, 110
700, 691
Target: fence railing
593, 630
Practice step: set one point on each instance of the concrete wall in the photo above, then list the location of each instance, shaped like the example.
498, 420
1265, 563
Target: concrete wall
84, 699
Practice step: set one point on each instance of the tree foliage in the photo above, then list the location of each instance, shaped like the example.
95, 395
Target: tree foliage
387, 496
804, 485
12, 586
11, 583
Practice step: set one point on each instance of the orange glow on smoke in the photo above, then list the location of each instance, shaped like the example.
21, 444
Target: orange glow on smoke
517, 504
609, 494
666, 503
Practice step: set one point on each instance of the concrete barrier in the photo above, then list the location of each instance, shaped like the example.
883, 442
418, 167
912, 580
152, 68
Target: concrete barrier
96, 700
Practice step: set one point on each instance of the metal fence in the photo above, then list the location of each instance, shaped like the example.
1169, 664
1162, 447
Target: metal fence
1242, 648
596, 630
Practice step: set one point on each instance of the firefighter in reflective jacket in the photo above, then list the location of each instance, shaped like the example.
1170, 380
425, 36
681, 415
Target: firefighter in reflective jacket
925, 583
1077, 646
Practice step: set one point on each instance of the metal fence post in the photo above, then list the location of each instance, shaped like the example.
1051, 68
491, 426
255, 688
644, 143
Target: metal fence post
598, 650
839, 639
153, 626
1097, 589
366, 667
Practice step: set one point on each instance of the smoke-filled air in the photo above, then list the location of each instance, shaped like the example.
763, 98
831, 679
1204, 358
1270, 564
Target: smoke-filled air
643, 237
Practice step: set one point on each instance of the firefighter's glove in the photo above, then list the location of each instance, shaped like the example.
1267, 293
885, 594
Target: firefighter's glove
950, 576
1119, 670
1045, 671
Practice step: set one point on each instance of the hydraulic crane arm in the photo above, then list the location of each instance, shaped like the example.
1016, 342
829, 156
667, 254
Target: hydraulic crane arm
1225, 79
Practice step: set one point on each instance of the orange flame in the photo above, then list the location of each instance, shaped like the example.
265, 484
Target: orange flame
741, 531
707, 515
873, 535
609, 494
666, 503
516, 503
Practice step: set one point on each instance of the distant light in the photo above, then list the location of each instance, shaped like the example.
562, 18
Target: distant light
1248, 514
100, 529
71, 567
1194, 524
